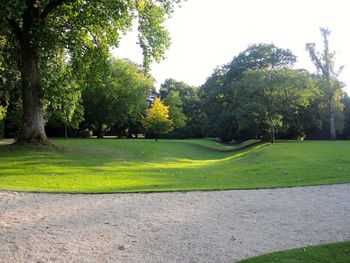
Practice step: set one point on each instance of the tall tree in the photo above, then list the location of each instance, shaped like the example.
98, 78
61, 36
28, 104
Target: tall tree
324, 63
268, 98
62, 93
35, 29
175, 109
218, 94
190, 106
115, 94
157, 119
258, 56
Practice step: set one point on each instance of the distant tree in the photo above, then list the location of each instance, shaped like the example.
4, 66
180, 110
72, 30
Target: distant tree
324, 64
114, 94
157, 119
190, 105
259, 56
268, 98
175, 109
60, 85
219, 97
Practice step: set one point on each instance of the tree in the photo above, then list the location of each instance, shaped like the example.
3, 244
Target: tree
115, 94
259, 56
190, 106
219, 97
157, 119
324, 64
36, 29
175, 109
269, 98
62, 93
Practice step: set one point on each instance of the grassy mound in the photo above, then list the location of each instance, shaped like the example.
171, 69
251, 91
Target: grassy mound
335, 253
111, 165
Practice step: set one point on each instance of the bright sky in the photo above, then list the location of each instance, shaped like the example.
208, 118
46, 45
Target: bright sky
208, 33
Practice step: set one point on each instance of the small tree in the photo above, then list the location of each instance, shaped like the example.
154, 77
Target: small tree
157, 119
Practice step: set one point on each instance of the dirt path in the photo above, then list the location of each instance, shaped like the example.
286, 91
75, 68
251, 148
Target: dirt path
169, 227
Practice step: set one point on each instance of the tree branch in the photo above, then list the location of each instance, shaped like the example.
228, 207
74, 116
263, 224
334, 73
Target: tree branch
52, 5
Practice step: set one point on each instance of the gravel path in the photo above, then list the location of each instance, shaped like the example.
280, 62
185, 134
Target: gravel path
169, 227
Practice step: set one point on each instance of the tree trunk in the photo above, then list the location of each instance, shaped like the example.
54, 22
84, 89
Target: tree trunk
156, 136
332, 122
272, 134
33, 126
99, 131
65, 131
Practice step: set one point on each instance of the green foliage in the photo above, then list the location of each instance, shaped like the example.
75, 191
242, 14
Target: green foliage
270, 98
259, 56
190, 105
81, 25
115, 93
219, 96
335, 253
14, 118
62, 92
9, 75
87, 165
32, 32
157, 119
175, 109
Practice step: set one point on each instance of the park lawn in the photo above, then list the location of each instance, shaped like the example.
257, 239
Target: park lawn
330, 253
112, 165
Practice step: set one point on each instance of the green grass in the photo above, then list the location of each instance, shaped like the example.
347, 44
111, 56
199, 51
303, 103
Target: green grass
330, 253
111, 165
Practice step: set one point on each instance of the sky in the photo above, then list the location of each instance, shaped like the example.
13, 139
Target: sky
209, 33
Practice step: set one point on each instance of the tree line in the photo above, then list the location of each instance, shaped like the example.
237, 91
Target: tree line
58, 78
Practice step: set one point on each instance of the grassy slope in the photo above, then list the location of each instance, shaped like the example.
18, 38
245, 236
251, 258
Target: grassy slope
331, 253
143, 165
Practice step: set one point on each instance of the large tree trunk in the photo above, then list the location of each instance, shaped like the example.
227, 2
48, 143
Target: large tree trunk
332, 122
33, 15
33, 126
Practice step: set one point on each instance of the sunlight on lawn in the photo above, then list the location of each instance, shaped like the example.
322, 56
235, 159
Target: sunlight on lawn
141, 165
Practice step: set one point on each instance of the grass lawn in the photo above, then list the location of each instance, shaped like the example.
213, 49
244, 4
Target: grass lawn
111, 165
331, 253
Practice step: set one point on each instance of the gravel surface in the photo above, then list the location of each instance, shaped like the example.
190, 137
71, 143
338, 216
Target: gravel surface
222, 226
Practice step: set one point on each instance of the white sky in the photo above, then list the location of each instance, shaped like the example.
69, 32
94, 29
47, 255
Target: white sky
208, 33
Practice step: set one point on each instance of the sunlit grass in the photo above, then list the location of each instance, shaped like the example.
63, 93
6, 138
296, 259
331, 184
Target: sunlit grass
111, 165
335, 253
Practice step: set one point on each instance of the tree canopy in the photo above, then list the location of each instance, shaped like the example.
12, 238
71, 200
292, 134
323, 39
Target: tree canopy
219, 95
33, 31
115, 96
189, 104
269, 99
